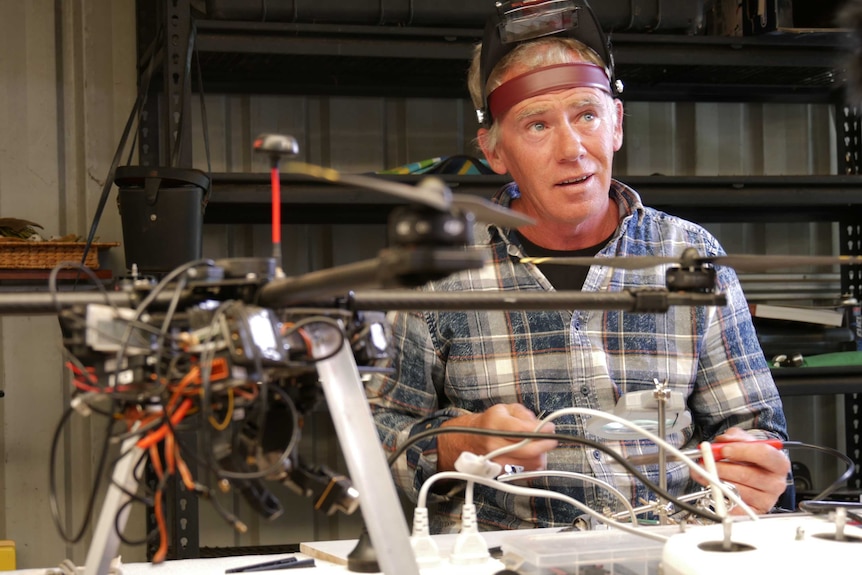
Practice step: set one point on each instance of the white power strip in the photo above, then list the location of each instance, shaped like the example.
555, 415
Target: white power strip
785, 544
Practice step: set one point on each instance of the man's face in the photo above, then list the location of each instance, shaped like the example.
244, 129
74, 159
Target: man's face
559, 148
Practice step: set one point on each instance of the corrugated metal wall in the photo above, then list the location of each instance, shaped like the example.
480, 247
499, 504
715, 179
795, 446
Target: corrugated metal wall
67, 83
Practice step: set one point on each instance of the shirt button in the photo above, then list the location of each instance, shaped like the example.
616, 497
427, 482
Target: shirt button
585, 389
597, 455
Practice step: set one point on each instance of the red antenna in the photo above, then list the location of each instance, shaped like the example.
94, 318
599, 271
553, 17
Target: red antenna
276, 146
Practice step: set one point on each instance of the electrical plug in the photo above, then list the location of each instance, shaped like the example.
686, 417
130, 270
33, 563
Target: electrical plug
477, 465
470, 547
424, 547
80, 405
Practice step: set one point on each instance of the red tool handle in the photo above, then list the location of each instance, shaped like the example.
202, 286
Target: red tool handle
718, 448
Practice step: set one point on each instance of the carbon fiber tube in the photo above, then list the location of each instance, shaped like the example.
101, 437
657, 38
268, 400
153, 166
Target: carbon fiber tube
43, 303
646, 300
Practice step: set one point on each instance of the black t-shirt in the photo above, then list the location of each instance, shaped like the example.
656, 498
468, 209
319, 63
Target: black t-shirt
562, 277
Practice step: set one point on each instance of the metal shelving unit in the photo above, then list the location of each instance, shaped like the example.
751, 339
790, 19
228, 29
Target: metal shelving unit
245, 198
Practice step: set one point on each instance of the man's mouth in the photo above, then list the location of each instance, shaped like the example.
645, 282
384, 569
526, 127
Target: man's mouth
573, 181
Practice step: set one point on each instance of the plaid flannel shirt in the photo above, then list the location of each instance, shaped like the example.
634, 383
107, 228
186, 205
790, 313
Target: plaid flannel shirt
448, 363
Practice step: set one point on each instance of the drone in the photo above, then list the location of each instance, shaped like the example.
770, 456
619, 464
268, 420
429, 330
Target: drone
238, 352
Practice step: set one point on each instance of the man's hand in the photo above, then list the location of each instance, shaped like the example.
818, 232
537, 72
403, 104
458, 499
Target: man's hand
759, 471
504, 417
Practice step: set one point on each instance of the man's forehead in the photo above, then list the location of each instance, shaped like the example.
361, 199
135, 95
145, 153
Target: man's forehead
571, 99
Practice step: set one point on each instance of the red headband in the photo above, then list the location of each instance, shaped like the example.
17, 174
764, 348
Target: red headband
543, 80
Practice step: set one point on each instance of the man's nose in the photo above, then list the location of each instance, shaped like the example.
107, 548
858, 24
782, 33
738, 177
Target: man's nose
570, 146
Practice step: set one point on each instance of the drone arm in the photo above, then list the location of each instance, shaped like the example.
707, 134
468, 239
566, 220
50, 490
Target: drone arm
644, 300
396, 267
39, 303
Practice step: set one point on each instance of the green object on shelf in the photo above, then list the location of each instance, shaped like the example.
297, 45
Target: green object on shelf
461, 165
836, 359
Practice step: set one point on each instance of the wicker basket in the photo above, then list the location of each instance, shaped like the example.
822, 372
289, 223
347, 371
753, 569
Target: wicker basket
30, 255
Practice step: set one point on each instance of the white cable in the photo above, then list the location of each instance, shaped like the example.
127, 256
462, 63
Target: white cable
709, 465
662, 443
646, 433
507, 448
533, 493
575, 475
713, 479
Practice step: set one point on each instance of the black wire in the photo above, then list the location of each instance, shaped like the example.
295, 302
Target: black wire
292, 444
299, 324
821, 507
206, 398
52, 482
205, 127
136, 108
559, 437
142, 306
54, 290
118, 529
837, 483
166, 324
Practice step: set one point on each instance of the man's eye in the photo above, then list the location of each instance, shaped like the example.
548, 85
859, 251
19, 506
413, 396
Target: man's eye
589, 117
537, 127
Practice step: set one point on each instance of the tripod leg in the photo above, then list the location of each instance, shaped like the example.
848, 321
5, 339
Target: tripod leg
106, 541
366, 462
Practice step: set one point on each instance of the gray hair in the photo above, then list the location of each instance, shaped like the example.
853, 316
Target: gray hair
535, 54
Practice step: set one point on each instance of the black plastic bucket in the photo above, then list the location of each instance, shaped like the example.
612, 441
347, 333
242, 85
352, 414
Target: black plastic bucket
162, 216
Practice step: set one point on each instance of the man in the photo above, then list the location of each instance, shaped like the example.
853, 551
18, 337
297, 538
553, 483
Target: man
553, 122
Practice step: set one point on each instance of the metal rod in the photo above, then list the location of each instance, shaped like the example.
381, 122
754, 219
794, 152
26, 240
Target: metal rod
661, 395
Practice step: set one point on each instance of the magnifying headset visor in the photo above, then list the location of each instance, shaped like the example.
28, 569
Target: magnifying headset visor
516, 22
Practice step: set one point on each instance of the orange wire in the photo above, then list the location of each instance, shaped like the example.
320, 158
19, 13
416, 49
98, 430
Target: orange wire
162, 431
156, 462
187, 379
162, 551
186, 475
309, 345
170, 459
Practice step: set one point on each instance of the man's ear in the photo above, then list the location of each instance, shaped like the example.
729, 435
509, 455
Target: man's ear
618, 129
494, 160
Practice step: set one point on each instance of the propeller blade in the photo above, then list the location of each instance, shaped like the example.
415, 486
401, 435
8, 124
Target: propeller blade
626, 263
430, 191
440, 197
490, 212
755, 263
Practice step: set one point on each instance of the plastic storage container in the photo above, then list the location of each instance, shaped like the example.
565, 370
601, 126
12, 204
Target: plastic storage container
611, 552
